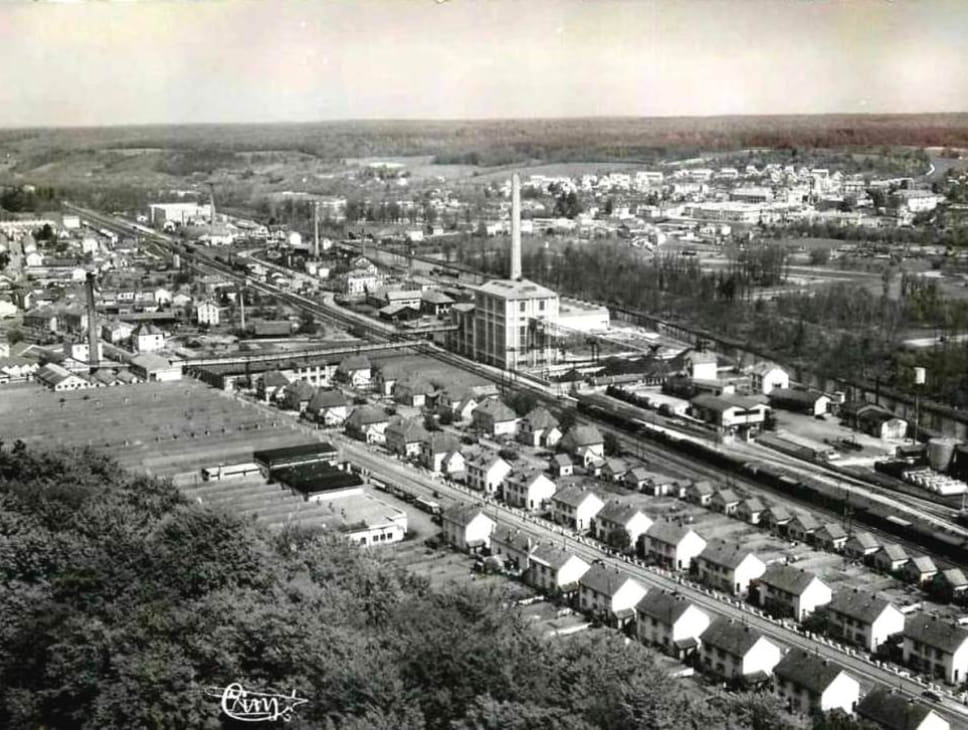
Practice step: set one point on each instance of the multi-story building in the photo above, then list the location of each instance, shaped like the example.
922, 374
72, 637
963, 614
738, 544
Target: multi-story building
513, 323
811, 684
737, 652
863, 619
937, 647
671, 621
727, 567
789, 591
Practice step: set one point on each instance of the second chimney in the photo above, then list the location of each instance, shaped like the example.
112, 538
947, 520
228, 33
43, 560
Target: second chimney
515, 227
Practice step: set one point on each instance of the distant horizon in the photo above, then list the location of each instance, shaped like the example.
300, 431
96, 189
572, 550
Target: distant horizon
474, 120
95, 64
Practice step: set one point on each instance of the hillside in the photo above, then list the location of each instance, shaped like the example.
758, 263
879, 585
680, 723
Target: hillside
121, 603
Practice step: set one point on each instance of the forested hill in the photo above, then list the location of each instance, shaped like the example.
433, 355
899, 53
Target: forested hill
121, 602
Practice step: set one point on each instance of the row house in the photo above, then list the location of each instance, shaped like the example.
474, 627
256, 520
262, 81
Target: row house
788, 591
727, 567
670, 621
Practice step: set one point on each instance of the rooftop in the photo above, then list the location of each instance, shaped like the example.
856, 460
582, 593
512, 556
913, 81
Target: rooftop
787, 578
858, 605
731, 636
665, 607
523, 289
891, 710
807, 670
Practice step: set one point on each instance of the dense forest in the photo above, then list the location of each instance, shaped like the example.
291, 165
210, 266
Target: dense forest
505, 141
122, 603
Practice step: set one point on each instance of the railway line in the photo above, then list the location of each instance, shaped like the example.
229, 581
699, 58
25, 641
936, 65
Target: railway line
665, 454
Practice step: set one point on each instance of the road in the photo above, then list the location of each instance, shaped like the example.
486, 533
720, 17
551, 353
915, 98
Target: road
653, 578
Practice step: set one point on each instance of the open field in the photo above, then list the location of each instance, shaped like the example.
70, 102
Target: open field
163, 429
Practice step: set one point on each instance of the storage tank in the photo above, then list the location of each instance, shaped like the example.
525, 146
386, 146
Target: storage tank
940, 451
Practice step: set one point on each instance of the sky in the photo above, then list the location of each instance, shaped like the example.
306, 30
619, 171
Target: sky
92, 62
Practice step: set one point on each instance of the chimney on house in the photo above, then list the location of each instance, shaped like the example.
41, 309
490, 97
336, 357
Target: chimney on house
92, 338
515, 227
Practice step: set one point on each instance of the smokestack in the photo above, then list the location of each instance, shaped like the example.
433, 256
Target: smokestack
211, 204
316, 230
515, 227
92, 338
242, 308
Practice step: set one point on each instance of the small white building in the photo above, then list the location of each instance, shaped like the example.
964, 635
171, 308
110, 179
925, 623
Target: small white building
765, 376
468, 527
495, 418
937, 648
487, 472
208, 313
555, 571
616, 516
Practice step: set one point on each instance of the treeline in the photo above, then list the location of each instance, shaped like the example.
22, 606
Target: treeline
920, 235
20, 200
122, 604
505, 141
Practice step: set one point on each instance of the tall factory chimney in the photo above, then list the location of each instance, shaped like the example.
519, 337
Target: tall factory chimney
316, 230
211, 203
92, 338
515, 227
242, 309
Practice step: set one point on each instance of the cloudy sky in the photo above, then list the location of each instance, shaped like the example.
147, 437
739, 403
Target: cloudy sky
170, 61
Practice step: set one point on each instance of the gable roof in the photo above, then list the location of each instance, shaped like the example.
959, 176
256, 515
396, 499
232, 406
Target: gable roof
539, 418
807, 670
326, 399
728, 555
894, 551
366, 415
605, 580
864, 540
463, 514
274, 379
440, 442
924, 564
353, 363
496, 409
410, 430
581, 435
731, 636
702, 487
664, 606
859, 605
787, 578
778, 512
807, 521
891, 710
954, 577
552, 556
618, 513
833, 530
935, 632
722, 403
301, 389
726, 496
669, 533
752, 504
574, 495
